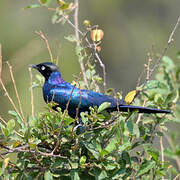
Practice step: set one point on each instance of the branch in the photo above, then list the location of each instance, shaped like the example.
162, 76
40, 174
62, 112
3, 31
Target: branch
15, 88
76, 27
32, 97
24, 149
63, 116
40, 33
170, 40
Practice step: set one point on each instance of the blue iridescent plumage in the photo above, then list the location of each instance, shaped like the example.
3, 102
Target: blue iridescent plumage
58, 90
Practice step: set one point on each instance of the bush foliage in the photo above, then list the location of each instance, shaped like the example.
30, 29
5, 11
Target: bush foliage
111, 146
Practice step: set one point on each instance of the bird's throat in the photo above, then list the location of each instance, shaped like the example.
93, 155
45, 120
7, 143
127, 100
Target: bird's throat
55, 78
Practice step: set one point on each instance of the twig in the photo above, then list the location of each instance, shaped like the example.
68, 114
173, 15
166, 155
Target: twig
76, 25
80, 32
176, 178
15, 88
63, 116
102, 65
40, 33
170, 40
77, 110
12, 164
23, 149
140, 114
31, 89
92, 47
10, 99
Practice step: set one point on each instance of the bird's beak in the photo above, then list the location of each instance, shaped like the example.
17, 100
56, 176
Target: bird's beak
33, 66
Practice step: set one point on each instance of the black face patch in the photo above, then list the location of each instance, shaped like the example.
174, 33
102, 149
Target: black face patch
46, 69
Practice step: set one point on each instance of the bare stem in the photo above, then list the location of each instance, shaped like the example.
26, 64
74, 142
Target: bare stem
102, 65
10, 99
32, 97
15, 88
41, 34
170, 40
76, 25
63, 116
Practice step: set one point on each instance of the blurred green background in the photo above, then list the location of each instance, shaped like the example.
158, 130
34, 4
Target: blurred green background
130, 27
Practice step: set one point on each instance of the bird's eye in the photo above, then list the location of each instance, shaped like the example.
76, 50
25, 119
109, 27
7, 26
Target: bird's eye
43, 68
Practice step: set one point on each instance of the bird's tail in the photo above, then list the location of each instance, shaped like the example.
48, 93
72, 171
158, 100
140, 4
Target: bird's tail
126, 108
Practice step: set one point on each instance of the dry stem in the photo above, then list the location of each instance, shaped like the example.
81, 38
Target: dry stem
15, 88
41, 34
63, 116
76, 25
170, 40
32, 97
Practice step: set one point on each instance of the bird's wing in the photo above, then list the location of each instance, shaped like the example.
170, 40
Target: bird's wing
86, 98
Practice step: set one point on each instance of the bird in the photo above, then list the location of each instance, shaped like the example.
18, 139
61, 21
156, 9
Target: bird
61, 92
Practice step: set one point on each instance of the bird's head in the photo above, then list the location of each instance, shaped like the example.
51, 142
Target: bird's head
46, 68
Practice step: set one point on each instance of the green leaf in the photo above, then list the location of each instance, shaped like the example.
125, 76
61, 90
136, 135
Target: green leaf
10, 125
154, 84
74, 175
168, 63
104, 153
33, 6
54, 18
102, 175
178, 54
119, 174
48, 175
2, 125
92, 149
133, 128
124, 146
71, 38
82, 160
145, 167
78, 50
152, 152
103, 106
18, 118
45, 2
111, 146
